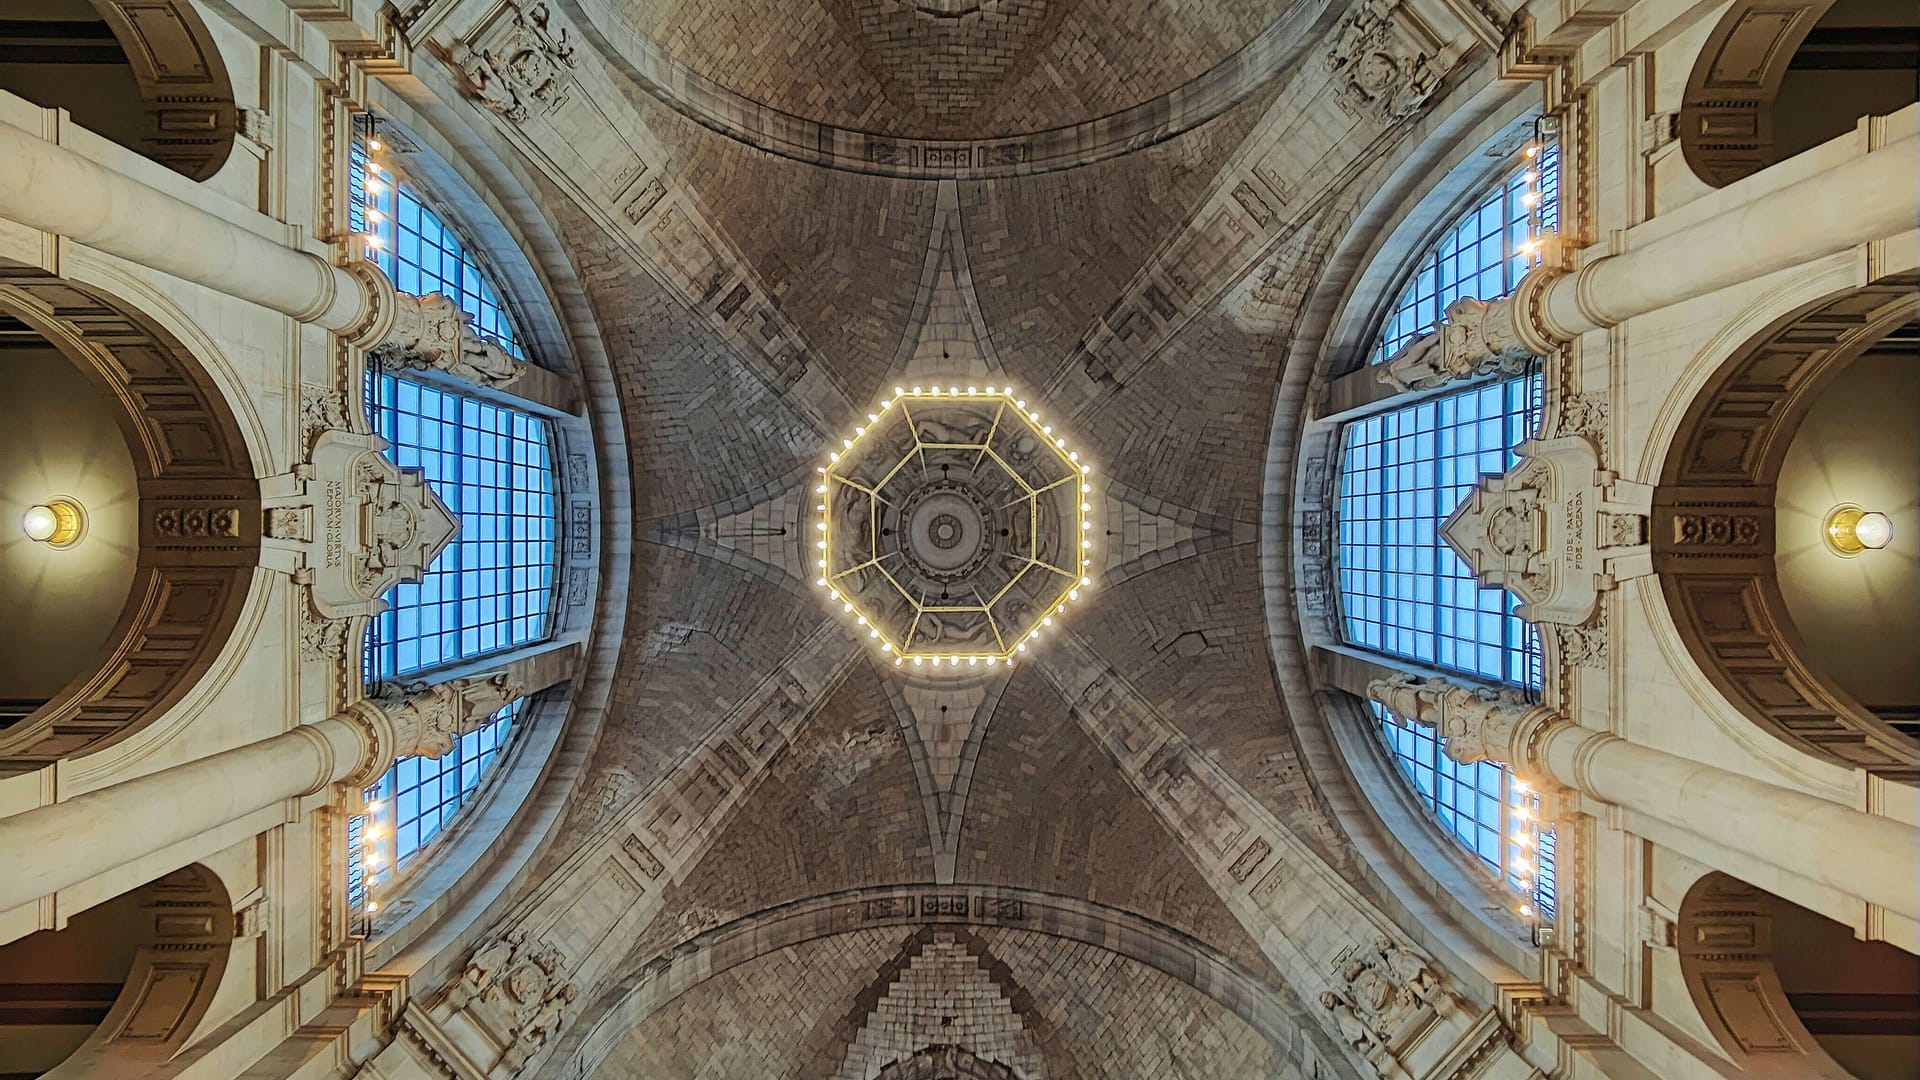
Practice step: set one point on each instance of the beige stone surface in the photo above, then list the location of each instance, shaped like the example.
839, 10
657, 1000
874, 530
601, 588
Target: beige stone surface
730, 838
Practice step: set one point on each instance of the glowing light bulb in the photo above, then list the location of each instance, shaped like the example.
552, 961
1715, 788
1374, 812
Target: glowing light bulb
374, 144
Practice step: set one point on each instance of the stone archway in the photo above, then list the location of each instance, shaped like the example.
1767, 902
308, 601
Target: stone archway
1713, 536
1791, 994
141, 970
198, 521
1777, 77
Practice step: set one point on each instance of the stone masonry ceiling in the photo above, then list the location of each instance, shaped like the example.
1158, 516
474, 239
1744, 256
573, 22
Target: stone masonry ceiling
949, 68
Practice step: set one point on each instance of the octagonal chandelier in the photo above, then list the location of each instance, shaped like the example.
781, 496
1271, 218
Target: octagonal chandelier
954, 526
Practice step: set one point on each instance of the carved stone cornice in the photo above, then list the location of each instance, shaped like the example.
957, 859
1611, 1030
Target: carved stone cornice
431, 333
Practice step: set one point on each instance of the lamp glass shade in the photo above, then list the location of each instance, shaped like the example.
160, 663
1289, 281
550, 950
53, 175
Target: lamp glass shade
57, 523
39, 522
1873, 530
1852, 530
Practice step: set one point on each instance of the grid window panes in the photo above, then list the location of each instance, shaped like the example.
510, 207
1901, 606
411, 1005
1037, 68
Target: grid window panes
419, 251
1479, 256
419, 796
1402, 589
492, 586
1476, 804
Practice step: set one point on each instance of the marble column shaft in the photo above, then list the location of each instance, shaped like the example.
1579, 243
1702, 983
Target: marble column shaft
48, 187
1866, 198
1861, 854
53, 847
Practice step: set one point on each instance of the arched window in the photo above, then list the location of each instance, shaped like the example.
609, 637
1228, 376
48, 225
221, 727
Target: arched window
1403, 591
492, 587
1479, 805
1480, 254
418, 250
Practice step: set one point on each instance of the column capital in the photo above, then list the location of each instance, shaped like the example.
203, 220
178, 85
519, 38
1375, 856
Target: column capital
419, 719
1480, 338
431, 333
428, 719
1475, 340
1479, 723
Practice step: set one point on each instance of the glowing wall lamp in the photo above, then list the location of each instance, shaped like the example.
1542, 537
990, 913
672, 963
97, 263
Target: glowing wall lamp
1851, 530
57, 523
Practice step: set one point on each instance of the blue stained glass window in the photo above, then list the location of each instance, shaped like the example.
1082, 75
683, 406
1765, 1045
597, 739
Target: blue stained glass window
419, 251
492, 586
1479, 256
1402, 589
1477, 804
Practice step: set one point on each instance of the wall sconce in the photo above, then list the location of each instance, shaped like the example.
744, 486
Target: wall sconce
1851, 530
57, 523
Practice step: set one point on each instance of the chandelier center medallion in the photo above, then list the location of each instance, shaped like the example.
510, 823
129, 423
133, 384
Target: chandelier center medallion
953, 526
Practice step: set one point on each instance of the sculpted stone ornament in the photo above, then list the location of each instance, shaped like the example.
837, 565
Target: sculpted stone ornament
431, 333
348, 524
429, 719
518, 66
1479, 723
1476, 339
1385, 68
1411, 971
486, 963
1546, 531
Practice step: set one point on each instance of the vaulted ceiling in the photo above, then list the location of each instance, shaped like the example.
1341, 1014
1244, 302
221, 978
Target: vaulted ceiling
908, 778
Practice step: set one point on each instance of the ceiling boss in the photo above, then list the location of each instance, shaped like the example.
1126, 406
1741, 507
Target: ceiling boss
954, 526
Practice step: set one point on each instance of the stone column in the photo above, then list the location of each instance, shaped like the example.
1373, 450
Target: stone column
48, 187
52, 847
1879, 860
1867, 198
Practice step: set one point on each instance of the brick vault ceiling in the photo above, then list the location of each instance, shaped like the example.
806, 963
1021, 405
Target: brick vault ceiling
949, 69
893, 780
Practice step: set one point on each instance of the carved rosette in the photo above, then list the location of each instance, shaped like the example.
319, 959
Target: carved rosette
431, 333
